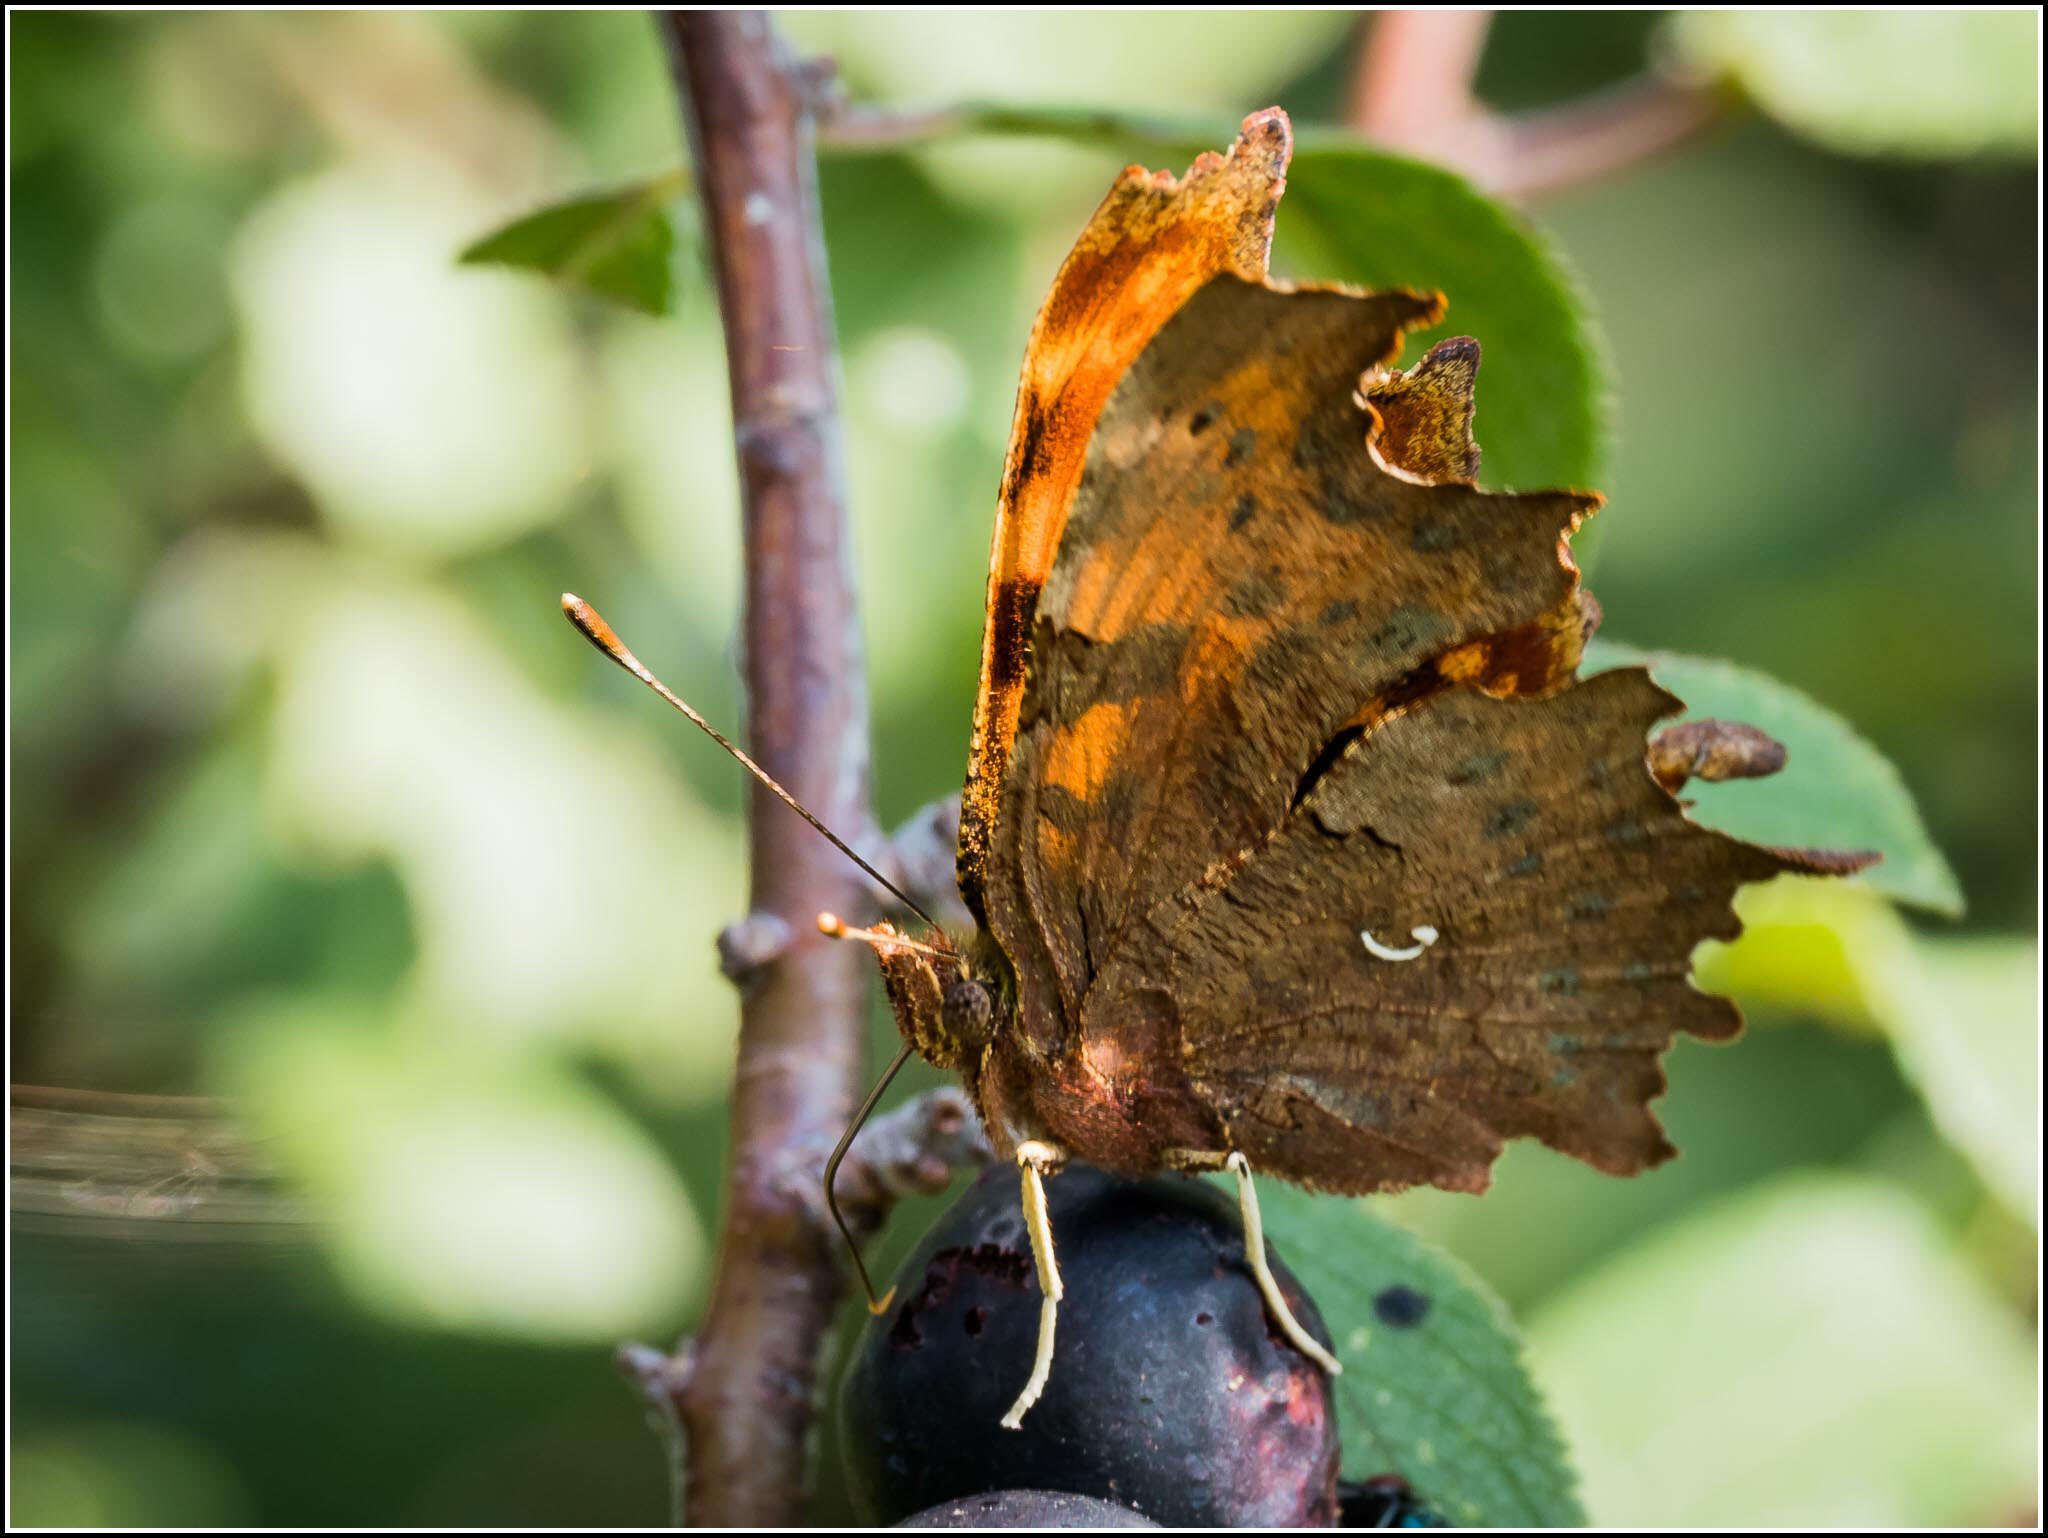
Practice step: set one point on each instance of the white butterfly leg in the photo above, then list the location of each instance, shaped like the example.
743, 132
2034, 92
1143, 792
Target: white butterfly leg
1035, 1160
1269, 1289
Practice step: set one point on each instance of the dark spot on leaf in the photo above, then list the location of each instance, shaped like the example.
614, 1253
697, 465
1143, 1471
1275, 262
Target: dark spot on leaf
1242, 442
1528, 865
1628, 833
1247, 509
1401, 1307
1563, 980
1591, 905
1199, 422
1337, 613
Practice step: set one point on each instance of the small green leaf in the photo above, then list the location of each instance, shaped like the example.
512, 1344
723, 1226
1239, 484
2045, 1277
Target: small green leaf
1359, 216
1433, 1387
1810, 1353
619, 245
1913, 83
1836, 791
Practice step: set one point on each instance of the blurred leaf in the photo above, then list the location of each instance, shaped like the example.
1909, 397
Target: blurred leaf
1811, 946
620, 245
122, 1473
1836, 791
1809, 1354
1973, 1046
1433, 1387
464, 1194
1359, 216
1918, 83
1962, 1017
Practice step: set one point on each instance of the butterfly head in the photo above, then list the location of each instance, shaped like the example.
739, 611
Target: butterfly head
944, 1005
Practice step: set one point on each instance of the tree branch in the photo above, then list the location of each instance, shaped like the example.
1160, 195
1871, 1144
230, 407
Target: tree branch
743, 1396
1411, 92
1411, 80
1538, 153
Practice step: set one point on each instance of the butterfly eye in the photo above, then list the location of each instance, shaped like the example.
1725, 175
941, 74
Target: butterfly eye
968, 1012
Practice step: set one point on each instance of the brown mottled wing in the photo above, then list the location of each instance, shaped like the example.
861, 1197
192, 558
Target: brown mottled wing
1152, 243
1240, 581
1567, 890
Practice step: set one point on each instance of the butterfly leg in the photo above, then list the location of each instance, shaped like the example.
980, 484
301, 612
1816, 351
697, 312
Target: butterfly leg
1255, 1255
1036, 1160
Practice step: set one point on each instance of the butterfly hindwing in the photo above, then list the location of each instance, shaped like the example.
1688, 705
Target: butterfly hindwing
1566, 891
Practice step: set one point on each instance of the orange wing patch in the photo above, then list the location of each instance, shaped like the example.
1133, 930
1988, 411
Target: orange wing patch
1155, 240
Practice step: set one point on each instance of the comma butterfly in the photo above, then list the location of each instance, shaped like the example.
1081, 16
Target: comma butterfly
1293, 840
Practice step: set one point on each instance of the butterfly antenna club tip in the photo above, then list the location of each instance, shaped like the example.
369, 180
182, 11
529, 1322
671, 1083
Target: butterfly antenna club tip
605, 639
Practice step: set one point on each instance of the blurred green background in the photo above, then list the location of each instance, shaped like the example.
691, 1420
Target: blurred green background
319, 806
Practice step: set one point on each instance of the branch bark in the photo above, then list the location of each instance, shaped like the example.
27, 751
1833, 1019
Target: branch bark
744, 1396
1411, 92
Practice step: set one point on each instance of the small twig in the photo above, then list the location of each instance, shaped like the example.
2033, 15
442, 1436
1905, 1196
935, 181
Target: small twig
915, 1150
1584, 141
919, 857
660, 1377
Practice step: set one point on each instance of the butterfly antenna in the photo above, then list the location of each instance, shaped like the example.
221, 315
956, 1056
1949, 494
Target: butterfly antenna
835, 926
606, 640
875, 1305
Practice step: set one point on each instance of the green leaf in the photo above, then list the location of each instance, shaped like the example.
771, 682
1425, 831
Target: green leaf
1970, 1040
1914, 83
619, 245
1836, 791
1444, 1400
1359, 216
1810, 1353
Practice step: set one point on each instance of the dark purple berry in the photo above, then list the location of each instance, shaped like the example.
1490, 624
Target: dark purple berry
1172, 1392
1028, 1508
